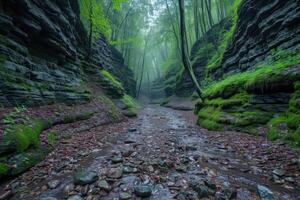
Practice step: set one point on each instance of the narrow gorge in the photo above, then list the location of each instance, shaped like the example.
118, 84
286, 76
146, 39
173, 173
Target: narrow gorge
158, 99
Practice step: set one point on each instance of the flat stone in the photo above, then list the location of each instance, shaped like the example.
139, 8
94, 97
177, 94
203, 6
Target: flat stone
278, 172
265, 193
143, 191
84, 178
103, 185
48, 198
117, 159
75, 197
53, 184
115, 173
125, 195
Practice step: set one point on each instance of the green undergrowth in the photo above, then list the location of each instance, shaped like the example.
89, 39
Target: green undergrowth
263, 77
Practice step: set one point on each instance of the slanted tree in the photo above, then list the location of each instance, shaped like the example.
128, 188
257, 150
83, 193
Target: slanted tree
184, 49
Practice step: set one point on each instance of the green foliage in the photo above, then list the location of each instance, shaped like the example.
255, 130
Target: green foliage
227, 37
92, 13
24, 136
52, 138
116, 4
264, 76
296, 139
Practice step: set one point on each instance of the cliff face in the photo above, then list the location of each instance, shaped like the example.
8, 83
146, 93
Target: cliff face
257, 81
262, 27
42, 49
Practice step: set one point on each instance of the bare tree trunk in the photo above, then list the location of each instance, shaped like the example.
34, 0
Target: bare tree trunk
143, 68
185, 56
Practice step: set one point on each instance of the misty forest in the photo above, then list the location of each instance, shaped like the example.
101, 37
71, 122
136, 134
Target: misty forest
149, 99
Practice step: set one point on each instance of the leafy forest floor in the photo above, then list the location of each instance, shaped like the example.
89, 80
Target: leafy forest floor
160, 155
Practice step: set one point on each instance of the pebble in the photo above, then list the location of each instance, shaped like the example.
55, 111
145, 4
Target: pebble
115, 173
84, 178
125, 195
53, 184
103, 185
143, 191
75, 197
265, 193
278, 172
117, 159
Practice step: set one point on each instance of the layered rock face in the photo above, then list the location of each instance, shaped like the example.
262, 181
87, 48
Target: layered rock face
257, 81
43, 46
262, 27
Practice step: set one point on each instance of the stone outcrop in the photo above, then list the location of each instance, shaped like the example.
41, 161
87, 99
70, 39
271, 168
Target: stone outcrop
42, 54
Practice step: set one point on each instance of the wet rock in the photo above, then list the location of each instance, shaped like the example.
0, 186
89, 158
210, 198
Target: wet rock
290, 179
243, 194
53, 184
125, 195
278, 172
115, 173
129, 169
103, 185
68, 189
84, 178
228, 191
181, 168
201, 190
117, 159
265, 193
143, 191
75, 197
48, 198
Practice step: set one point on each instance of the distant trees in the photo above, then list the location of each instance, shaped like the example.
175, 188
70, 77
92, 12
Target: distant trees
95, 21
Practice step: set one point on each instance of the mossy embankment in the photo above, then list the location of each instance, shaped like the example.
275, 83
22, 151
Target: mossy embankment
265, 96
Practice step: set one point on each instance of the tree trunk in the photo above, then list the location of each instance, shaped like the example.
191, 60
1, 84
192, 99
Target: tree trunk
185, 57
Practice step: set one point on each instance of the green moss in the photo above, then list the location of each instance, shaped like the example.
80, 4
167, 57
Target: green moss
111, 79
24, 136
3, 169
264, 76
129, 101
130, 112
277, 128
293, 121
236, 100
210, 125
251, 118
